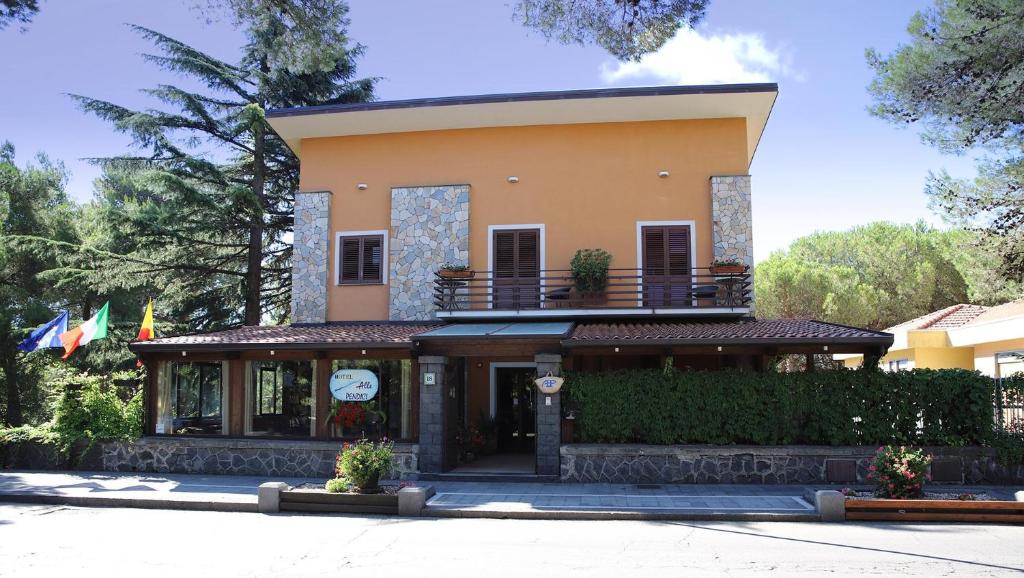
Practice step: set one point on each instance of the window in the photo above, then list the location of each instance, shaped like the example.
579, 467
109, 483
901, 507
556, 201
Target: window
898, 365
388, 414
281, 398
666, 266
516, 275
193, 400
361, 258
1009, 363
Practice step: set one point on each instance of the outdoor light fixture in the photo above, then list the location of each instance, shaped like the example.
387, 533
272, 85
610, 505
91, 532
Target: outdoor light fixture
616, 350
361, 186
183, 354
364, 352
513, 179
826, 348
271, 352
719, 347
663, 174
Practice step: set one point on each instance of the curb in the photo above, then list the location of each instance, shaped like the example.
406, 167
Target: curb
149, 504
620, 515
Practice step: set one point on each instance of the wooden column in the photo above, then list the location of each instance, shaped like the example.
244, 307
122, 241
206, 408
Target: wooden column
150, 396
809, 363
236, 393
323, 395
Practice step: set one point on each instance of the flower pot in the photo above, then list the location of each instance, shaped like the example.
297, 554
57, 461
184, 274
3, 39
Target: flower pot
728, 269
452, 274
370, 485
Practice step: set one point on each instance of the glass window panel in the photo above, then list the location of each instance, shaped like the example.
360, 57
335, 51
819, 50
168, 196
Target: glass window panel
386, 415
197, 398
281, 398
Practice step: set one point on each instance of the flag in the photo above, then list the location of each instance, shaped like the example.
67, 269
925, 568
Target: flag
47, 335
94, 328
146, 331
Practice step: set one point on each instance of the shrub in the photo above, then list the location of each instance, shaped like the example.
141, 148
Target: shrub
88, 408
364, 462
590, 269
899, 472
336, 486
836, 407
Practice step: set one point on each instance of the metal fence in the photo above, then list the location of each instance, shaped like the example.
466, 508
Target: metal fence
1009, 405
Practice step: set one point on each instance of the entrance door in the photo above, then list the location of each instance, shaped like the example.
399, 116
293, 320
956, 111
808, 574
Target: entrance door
515, 416
516, 275
667, 274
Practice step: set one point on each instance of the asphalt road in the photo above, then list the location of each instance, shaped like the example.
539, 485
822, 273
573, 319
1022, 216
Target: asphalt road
63, 541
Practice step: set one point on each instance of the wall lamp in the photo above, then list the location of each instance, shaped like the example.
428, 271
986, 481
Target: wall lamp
362, 186
513, 179
663, 174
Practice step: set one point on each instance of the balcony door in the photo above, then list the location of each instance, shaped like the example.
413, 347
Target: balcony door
667, 273
515, 279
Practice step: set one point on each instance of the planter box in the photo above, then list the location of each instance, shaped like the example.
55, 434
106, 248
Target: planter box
935, 511
449, 274
312, 501
728, 269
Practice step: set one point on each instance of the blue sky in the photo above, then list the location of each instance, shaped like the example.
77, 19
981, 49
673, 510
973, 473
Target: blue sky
822, 164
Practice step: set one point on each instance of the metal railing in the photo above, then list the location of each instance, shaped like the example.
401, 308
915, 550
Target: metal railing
702, 288
1009, 406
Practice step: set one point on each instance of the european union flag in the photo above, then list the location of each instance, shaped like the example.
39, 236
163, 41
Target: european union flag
47, 335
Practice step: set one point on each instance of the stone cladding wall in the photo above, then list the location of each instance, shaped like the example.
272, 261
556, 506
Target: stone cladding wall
309, 257
429, 227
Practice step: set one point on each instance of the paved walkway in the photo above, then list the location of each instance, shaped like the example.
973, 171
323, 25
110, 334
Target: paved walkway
165, 491
452, 499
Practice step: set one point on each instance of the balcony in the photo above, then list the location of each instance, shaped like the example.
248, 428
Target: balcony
629, 293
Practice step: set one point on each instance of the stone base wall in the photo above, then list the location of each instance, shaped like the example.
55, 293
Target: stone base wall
286, 458
643, 464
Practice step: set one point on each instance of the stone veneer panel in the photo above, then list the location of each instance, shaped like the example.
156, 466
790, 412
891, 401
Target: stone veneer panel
731, 217
429, 227
646, 464
285, 458
309, 257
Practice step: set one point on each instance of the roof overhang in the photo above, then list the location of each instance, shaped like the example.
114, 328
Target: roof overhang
987, 332
750, 101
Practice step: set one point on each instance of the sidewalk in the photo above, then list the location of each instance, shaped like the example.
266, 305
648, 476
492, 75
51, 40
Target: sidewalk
143, 490
452, 499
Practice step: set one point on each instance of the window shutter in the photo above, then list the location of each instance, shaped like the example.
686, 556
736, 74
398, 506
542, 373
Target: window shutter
371, 259
654, 251
504, 254
350, 248
678, 250
528, 254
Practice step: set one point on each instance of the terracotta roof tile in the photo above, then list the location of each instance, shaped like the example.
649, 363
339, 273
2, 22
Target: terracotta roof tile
948, 318
1004, 311
292, 336
755, 331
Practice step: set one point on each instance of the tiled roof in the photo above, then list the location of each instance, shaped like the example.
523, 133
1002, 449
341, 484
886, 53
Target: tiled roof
948, 318
760, 331
379, 334
1006, 310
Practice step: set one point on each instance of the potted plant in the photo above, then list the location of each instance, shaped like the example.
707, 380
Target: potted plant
363, 463
347, 415
455, 271
590, 273
728, 267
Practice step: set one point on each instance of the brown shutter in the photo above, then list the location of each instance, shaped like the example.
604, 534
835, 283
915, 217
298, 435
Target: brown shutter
362, 259
350, 248
666, 266
516, 275
372, 260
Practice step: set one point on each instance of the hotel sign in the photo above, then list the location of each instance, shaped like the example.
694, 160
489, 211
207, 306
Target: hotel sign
549, 384
354, 385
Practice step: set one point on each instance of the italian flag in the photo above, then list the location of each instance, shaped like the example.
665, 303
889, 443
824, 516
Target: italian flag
94, 328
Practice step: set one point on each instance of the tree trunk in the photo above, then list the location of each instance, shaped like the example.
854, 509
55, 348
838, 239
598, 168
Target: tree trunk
254, 271
13, 417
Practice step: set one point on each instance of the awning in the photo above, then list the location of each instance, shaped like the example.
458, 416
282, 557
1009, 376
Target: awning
293, 337
552, 330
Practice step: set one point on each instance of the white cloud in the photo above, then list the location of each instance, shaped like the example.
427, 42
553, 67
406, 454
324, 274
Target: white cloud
691, 57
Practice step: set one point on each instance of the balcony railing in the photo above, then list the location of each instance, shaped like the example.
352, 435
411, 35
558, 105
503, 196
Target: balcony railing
554, 291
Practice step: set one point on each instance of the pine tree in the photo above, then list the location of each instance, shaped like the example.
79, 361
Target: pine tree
207, 203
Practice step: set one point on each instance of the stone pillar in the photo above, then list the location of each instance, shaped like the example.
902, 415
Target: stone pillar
731, 218
429, 227
549, 418
431, 460
309, 257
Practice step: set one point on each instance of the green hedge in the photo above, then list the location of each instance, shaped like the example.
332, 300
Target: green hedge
842, 407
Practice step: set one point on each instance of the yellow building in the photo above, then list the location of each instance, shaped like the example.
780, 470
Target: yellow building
988, 339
